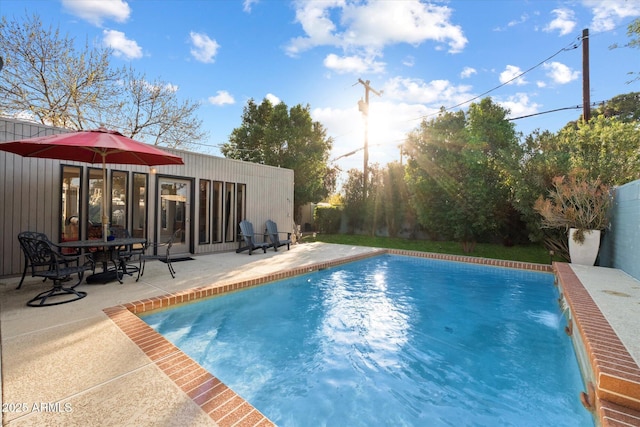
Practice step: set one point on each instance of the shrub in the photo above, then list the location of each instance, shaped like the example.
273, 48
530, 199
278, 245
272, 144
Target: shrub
327, 218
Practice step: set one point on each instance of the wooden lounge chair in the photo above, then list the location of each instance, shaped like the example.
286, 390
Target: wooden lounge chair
158, 254
274, 235
49, 263
249, 238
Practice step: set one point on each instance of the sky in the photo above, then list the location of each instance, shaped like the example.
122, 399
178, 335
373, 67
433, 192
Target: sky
419, 56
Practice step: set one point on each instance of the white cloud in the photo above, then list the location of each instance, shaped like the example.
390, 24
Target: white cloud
436, 92
273, 99
374, 25
509, 75
564, 21
204, 49
122, 47
352, 64
468, 72
519, 105
524, 18
560, 73
409, 61
96, 11
609, 13
222, 97
248, 4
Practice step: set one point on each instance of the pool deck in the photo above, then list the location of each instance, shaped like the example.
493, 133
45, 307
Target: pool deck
93, 362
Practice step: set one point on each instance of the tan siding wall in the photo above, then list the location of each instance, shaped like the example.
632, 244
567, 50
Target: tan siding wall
30, 191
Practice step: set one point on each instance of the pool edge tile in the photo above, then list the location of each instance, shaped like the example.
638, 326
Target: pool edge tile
618, 384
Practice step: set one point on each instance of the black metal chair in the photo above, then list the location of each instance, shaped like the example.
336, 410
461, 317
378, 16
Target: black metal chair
48, 262
71, 257
165, 257
127, 253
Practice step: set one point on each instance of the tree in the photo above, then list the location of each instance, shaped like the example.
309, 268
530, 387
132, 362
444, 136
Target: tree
47, 79
625, 108
605, 148
289, 138
457, 175
353, 196
152, 111
395, 199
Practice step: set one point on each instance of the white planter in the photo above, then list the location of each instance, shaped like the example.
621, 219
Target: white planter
584, 253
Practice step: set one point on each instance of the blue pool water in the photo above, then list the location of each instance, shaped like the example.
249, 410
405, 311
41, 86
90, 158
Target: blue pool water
391, 341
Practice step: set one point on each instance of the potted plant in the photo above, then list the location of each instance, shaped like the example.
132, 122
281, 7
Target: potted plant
580, 207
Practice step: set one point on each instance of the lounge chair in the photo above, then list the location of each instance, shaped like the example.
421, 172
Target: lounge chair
165, 256
274, 235
40, 253
249, 238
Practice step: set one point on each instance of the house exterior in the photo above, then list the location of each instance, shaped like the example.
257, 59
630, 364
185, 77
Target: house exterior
206, 197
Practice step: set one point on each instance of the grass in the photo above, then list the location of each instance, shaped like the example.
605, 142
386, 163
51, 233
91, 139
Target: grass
525, 253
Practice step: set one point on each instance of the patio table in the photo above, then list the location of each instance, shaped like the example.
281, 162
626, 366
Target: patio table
105, 252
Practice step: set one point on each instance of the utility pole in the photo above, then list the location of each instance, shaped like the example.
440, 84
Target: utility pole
586, 96
363, 106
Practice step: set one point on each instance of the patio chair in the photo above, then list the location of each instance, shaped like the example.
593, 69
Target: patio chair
126, 253
71, 257
249, 238
274, 235
59, 268
165, 257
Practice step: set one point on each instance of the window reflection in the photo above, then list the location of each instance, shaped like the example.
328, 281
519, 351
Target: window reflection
203, 212
119, 199
94, 216
139, 201
70, 213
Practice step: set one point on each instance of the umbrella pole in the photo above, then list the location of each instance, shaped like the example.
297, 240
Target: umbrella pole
105, 218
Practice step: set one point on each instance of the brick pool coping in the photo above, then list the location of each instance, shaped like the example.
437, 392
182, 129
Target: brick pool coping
615, 396
226, 408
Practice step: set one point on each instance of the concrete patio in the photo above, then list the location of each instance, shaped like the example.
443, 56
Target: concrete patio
73, 365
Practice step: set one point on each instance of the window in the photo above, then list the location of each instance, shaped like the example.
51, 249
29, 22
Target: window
95, 204
216, 212
240, 205
229, 215
70, 206
203, 212
139, 205
119, 199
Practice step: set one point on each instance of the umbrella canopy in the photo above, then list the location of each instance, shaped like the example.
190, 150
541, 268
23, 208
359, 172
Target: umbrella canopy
93, 146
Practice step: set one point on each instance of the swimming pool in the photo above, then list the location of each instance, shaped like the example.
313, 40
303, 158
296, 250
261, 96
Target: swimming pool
391, 340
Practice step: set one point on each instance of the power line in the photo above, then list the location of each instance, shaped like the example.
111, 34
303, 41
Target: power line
571, 46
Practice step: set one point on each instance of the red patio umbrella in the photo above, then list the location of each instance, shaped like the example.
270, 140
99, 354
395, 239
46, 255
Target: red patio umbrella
93, 146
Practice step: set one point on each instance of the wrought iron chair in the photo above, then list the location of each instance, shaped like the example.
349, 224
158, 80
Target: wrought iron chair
71, 257
41, 253
165, 257
127, 253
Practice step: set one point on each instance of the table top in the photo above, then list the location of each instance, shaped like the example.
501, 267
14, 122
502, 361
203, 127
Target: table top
94, 243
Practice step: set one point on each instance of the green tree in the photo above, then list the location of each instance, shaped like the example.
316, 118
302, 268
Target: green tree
605, 148
395, 199
434, 171
354, 203
625, 108
278, 136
